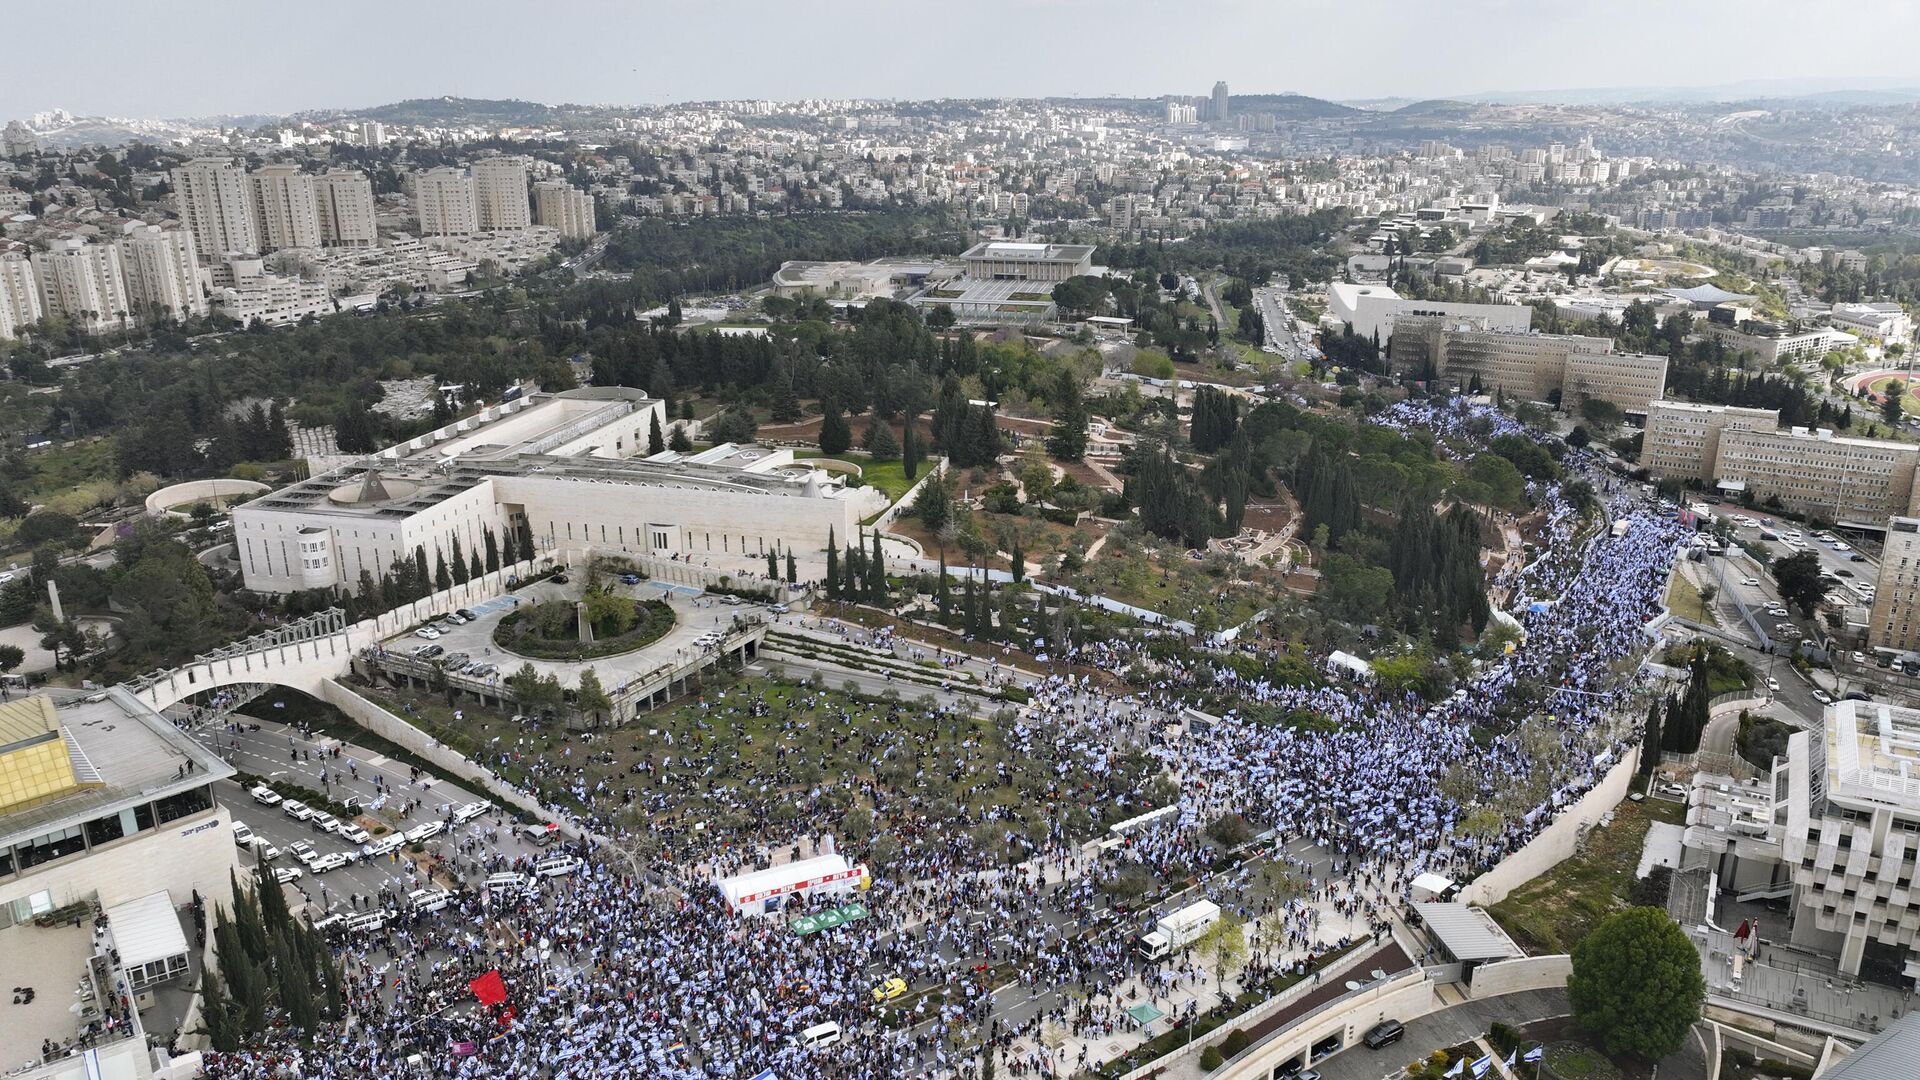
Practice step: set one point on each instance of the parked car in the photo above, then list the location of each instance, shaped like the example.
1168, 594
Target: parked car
265, 849
457, 619
242, 834
285, 874
559, 579
466, 614
1752, 582
353, 834
265, 795
431, 652
385, 844
296, 810
1384, 1033
424, 830
471, 810
324, 822
1823, 697
629, 579
332, 860
427, 632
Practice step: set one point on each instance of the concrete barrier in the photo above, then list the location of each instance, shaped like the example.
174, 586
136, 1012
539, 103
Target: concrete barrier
1557, 841
199, 491
455, 765
1401, 997
1526, 973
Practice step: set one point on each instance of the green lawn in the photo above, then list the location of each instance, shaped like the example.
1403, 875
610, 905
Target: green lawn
1684, 600
888, 476
1555, 910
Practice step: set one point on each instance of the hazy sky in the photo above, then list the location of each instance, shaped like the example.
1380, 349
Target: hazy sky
170, 58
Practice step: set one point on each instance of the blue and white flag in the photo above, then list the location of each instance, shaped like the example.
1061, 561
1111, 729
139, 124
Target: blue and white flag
1513, 1056
1480, 1067
1533, 1054
1458, 1067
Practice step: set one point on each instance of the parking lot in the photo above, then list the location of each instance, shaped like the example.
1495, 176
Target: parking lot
385, 788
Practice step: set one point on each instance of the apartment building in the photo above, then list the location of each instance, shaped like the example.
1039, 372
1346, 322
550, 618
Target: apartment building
1896, 597
500, 193
1836, 828
444, 198
343, 200
19, 294
83, 283
161, 271
246, 292
284, 211
1682, 439
562, 206
1524, 364
213, 198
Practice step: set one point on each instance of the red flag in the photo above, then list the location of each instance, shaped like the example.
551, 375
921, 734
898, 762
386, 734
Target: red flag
489, 988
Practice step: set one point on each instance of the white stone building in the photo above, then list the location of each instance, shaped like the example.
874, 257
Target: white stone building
19, 294
213, 198
444, 198
284, 210
82, 282
161, 271
344, 202
562, 206
500, 193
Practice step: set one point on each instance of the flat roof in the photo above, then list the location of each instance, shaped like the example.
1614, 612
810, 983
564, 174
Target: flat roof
1008, 249
1873, 752
1468, 932
136, 755
1887, 1056
146, 930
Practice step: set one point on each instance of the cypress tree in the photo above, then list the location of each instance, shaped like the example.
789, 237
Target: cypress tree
474, 569
1009, 615
833, 567
656, 443
835, 435
943, 593
910, 448
1650, 743
1019, 561
509, 549
442, 581
876, 584
793, 569
458, 563
773, 566
216, 1014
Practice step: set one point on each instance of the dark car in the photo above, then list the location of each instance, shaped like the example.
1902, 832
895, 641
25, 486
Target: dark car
559, 579
629, 579
1384, 1033
1856, 557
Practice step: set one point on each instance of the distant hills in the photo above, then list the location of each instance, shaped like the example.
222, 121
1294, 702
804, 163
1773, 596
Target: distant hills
1809, 92
453, 112
1291, 106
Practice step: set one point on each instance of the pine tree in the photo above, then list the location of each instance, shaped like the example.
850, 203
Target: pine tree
1019, 561
879, 441
786, 406
793, 569
833, 567
678, 441
853, 586
835, 435
1068, 440
655, 443
1009, 615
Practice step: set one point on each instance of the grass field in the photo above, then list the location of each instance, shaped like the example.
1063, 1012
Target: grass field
1684, 600
1909, 402
1551, 913
741, 756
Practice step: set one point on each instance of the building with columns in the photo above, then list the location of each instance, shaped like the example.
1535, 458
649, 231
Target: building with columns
568, 471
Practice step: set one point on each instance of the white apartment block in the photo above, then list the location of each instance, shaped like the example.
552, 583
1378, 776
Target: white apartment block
19, 294
83, 283
161, 271
444, 198
247, 292
570, 469
1773, 349
1836, 828
562, 206
1896, 598
500, 193
283, 207
1527, 365
344, 202
1888, 322
213, 197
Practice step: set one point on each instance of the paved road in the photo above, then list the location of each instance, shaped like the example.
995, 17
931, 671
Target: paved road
1448, 1027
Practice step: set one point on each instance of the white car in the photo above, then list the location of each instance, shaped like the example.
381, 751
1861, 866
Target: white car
470, 811
1752, 582
266, 850
287, 873
242, 834
1823, 697
424, 830
556, 866
325, 822
354, 834
427, 632
265, 795
385, 844
303, 850
333, 860
298, 811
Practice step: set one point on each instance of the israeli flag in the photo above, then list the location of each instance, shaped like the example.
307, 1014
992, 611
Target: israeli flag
1458, 1068
1480, 1067
1533, 1054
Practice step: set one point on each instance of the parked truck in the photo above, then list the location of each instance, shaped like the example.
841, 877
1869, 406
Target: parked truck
1178, 929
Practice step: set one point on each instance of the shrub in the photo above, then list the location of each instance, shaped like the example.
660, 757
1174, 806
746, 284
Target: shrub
1235, 1042
1210, 1058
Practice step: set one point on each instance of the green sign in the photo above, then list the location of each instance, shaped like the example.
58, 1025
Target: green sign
827, 920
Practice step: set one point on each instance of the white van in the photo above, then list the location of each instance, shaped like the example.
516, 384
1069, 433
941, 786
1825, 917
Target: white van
508, 886
820, 1036
556, 866
429, 899
366, 922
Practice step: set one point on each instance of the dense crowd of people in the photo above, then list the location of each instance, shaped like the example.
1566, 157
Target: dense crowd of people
641, 969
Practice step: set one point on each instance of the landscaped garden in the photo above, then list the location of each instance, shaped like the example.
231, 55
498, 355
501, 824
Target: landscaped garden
551, 631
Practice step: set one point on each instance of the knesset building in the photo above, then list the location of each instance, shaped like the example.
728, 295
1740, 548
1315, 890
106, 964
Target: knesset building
570, 470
